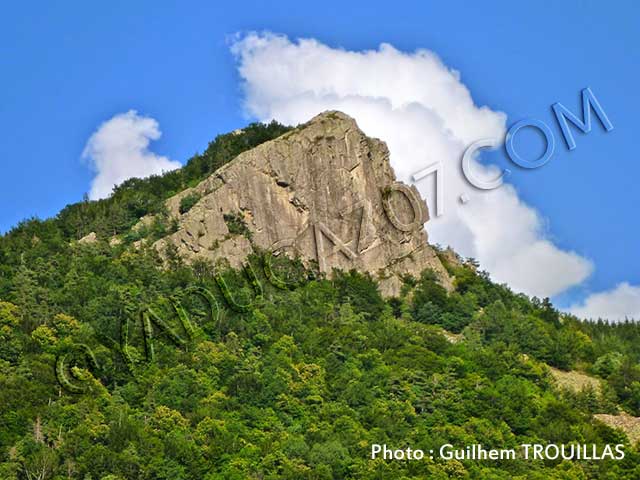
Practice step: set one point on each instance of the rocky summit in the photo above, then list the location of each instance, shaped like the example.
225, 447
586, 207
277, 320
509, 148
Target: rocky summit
324, 192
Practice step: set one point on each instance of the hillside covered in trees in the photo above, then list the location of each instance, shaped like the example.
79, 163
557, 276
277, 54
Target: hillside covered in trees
117, 364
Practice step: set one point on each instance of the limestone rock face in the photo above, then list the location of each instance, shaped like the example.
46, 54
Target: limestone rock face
324, 191
89, 239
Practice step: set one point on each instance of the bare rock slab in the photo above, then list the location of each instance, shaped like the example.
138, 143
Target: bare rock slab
324, 191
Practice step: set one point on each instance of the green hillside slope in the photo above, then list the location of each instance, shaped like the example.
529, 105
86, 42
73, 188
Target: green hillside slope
117, 365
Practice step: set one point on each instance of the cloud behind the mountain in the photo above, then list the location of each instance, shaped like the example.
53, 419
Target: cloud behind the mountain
424, 112
617, 304
119, 150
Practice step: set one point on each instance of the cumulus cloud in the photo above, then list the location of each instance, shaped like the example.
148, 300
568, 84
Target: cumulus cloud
618, 304
119, 149
425, 114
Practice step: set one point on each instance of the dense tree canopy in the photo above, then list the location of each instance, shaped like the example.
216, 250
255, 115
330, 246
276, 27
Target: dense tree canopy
115, 365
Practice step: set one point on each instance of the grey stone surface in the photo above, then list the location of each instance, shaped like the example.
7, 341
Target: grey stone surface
89, 239
324, 191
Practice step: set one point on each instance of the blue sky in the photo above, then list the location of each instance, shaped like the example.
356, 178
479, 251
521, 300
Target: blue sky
68, 67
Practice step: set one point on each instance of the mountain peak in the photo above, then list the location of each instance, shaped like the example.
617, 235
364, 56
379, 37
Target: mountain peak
324, 192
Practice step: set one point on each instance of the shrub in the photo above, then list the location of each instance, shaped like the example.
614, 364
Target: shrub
188, 201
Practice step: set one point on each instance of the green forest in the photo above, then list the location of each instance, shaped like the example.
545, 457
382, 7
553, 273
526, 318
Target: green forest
115, 364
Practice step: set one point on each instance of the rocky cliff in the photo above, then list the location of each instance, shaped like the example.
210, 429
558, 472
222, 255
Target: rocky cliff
324, 191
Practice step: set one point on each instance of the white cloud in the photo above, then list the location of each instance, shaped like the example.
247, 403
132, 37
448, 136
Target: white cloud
616, 305
425, 113
118, 150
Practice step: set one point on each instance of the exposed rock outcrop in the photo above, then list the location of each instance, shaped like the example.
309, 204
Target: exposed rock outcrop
323, 191
625, 422
89, 239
